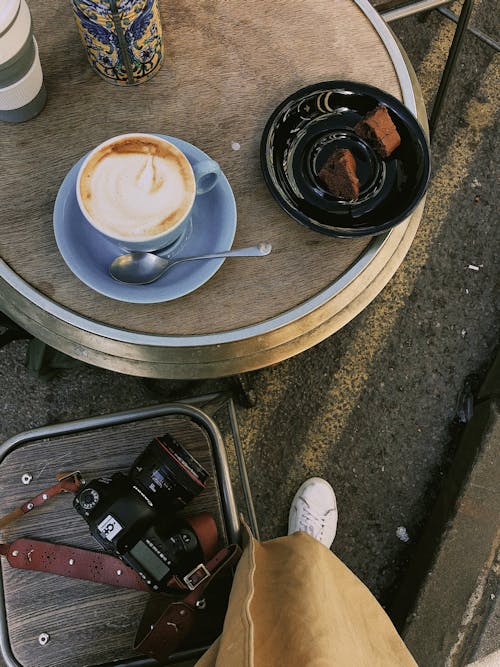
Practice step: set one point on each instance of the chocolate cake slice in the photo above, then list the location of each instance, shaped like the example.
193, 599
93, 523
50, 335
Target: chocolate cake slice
379, 131
339, 175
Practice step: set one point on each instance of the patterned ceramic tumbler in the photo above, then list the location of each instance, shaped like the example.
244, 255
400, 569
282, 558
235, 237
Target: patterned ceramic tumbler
123, 38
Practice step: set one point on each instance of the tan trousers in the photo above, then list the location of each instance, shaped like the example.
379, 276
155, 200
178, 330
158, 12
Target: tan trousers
295, 604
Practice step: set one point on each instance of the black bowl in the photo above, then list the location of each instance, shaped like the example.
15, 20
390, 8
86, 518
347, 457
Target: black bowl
305, 129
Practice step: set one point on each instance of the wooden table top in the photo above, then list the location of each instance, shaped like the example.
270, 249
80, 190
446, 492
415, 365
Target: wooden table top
228, 65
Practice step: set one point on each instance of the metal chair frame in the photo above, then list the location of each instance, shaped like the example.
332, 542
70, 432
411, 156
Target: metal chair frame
462, 24
200, 409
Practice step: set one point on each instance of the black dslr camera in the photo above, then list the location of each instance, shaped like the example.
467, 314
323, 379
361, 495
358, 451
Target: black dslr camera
133, 516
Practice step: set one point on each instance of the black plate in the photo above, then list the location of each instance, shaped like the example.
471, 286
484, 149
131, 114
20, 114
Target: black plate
305, 129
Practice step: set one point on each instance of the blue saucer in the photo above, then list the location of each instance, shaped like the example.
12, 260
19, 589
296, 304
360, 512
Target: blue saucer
88, 254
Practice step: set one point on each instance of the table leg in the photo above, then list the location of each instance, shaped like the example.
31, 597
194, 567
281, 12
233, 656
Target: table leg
12, 331
43, 360
238, 386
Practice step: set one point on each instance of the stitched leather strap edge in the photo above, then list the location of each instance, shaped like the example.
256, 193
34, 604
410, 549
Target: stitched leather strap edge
161, 636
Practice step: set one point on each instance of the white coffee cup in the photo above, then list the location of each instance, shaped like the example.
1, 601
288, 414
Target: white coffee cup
139, 189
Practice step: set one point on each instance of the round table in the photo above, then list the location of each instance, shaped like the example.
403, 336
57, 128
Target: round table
228, 65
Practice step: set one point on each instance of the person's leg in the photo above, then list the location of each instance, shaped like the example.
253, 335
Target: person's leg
307, 607
295, 603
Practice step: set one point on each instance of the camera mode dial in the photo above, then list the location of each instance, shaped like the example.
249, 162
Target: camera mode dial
89, 499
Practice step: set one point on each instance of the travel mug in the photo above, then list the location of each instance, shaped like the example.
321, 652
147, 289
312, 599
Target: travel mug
122, 38
22, 93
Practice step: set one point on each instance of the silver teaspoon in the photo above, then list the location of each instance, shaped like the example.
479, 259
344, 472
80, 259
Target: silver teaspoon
141, 268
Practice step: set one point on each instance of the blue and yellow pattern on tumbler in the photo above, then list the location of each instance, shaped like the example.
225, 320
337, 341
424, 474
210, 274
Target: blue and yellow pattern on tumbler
123, 38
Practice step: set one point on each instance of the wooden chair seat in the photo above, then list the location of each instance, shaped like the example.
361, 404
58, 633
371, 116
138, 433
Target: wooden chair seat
89, 623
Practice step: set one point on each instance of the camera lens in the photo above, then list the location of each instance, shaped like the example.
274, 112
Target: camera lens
167, 473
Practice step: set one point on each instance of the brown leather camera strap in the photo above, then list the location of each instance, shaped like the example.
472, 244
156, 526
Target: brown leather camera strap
68, 482
163, 629
165, 624
28, 554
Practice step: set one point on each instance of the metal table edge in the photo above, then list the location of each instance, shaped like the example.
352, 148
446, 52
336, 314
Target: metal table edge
104, 349
86, 324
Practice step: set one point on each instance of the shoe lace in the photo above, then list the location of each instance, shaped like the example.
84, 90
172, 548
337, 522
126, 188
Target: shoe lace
310, 522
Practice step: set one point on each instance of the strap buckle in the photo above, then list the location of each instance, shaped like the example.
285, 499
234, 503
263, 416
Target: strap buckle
198, 575
76, 475
70, 478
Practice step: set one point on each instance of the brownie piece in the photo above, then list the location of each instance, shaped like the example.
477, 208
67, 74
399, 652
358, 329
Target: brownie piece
339, 175
379, 131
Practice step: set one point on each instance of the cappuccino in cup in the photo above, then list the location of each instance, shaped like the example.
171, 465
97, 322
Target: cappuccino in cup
139, 189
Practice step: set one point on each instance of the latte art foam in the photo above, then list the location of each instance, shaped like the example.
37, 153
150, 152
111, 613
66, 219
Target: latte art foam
136, 189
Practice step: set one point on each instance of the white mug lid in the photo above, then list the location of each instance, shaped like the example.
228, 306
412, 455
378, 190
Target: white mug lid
8, 11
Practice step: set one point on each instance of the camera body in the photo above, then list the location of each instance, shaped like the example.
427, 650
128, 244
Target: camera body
133, 516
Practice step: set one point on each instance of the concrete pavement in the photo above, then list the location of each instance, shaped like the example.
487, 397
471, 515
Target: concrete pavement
447, 603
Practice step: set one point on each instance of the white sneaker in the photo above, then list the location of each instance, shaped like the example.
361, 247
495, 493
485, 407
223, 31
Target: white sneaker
314, 511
